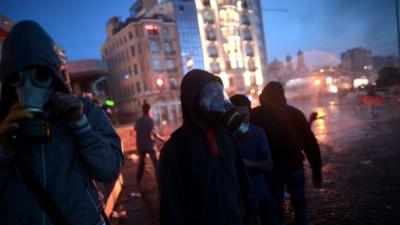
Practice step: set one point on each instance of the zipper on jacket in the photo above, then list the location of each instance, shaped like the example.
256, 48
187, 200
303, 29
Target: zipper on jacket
44, 181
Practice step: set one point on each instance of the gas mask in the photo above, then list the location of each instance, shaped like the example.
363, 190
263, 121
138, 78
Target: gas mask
217, 107
34, 87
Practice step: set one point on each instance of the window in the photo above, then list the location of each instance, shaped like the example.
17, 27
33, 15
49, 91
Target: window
170, 64
210, 34
130, 35
245, 19
206, 2
156, 64
173, 84
231, 82
135, 71
133, 89
124, 39
215, 67
247, 34
252, 65
208, 17
153, 46
249, 50
133, 51
168, 48
212, 51
165, 31
138, 87
253, 80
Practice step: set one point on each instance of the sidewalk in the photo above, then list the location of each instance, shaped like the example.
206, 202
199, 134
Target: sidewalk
137, 207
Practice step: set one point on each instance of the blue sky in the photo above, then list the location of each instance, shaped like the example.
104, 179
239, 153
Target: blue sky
311, 25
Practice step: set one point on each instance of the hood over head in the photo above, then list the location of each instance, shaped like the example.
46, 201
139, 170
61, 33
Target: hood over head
191, 86
28, 45
273, 93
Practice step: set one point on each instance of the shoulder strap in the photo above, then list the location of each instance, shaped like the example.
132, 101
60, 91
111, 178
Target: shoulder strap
40, 195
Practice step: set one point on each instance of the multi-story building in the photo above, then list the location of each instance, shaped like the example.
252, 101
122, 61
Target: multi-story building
89, 75
223, 37
5, 27
142, 54
357, 60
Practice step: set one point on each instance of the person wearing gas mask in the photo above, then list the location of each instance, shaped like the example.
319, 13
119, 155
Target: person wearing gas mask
53, 145
202, 175
257, 155
290, 138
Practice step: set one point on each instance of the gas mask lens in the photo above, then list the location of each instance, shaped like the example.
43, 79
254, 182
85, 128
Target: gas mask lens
213, 98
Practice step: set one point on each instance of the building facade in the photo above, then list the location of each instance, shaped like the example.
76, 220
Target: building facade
225, 38
142, 54
357, 60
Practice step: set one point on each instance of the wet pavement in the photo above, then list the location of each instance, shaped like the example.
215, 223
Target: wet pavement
361, 155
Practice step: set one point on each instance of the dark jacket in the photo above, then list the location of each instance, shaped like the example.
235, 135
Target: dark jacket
288, 131
67, 165
196, 187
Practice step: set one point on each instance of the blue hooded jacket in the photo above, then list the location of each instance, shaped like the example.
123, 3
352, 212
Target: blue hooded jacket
68, 164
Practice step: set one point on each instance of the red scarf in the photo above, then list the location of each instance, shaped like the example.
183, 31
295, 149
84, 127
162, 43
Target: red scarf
212, 141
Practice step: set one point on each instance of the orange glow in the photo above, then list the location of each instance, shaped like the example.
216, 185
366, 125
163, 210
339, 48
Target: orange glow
317, 82
151, 27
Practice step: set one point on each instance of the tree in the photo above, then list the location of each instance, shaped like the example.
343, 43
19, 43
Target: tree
388, 76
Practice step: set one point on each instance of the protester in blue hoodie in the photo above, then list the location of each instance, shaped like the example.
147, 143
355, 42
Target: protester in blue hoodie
51, 142
257, 156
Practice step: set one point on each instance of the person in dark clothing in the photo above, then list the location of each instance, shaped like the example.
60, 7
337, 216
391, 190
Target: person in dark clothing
49, 137
257, 155
202, 175
289, 136
145, 133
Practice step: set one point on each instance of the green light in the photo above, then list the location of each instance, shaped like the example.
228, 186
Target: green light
110, 102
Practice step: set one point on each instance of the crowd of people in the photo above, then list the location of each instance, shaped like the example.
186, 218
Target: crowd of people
228, 163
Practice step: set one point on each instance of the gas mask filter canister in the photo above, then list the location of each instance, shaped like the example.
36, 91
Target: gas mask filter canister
34, 88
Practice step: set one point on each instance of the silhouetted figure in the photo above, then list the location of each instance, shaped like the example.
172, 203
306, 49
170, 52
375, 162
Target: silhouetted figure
202, 175
257, 156
145, 133
289, 136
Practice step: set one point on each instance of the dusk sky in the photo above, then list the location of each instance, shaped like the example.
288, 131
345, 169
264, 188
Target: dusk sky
311, 25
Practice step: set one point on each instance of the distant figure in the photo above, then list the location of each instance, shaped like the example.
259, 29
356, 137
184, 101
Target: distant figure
290, 136
145, 133
257, 156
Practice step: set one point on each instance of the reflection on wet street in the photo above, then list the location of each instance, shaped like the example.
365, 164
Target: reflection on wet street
360, 156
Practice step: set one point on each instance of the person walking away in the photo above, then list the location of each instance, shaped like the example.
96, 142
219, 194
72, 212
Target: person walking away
145, 135
290, 137
257, 156
202, 175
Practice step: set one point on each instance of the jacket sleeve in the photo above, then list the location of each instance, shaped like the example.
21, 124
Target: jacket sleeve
171, 187
249, 200
310, 146
6, 165
99, 145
